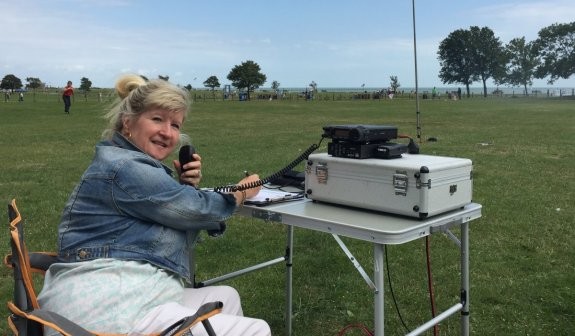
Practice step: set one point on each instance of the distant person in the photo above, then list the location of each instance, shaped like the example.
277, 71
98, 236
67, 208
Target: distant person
21, 97
67, 97
459, 93
434, 93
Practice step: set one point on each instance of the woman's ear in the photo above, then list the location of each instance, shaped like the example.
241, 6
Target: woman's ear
125, 124
126, 127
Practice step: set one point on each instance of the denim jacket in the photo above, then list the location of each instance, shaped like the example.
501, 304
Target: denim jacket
128, 206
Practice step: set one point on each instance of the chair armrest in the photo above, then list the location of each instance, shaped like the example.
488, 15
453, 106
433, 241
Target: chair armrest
40, 261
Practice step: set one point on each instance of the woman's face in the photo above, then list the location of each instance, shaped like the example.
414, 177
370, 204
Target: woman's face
156, 132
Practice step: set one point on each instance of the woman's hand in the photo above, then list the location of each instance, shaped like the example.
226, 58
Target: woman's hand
241, 196
192, 173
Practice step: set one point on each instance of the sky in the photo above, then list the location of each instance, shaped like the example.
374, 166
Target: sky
335, 43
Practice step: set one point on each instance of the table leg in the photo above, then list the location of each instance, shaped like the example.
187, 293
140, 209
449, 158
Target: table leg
465, 279
378, 269
289, 279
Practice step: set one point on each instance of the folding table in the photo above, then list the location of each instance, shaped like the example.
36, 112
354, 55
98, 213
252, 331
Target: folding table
377, 228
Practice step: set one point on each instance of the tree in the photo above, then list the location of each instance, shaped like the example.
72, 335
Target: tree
247, 76
470, 55
394, 83
212, 82
166, 78
275, 86
313, 86
489, 55
85, 84
456, 59
10, 82
522, 60
34, 83
556, 47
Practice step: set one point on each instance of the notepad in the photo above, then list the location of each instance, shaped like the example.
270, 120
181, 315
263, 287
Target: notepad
269, 196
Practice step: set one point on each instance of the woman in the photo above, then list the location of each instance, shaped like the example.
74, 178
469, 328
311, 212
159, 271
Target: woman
67, 97
125, 231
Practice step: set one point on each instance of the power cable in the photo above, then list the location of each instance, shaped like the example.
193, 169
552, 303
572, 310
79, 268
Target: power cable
391, 291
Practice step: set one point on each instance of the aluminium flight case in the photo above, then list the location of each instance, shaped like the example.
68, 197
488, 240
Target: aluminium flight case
414, 185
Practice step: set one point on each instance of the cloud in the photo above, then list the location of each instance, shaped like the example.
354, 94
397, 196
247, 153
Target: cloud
524, 18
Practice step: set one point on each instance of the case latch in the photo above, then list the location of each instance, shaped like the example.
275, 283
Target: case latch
321, 173
400, 182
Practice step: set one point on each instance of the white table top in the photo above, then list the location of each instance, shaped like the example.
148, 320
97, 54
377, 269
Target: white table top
360, 224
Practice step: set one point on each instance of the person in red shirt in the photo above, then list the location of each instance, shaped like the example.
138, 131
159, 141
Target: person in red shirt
66, 96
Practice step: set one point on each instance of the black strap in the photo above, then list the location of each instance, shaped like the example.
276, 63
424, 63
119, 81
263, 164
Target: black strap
50, 319
62, 322
185, 323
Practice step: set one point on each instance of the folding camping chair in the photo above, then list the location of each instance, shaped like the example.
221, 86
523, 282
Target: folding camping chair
27, 318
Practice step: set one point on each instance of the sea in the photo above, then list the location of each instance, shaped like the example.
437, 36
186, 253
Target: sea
550, 91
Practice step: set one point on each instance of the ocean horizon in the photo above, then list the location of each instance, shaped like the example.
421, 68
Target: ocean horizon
555, 91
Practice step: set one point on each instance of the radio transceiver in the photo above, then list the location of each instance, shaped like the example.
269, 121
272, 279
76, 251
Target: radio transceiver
360, 133
363, 141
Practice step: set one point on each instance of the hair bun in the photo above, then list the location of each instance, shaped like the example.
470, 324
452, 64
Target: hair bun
127, 83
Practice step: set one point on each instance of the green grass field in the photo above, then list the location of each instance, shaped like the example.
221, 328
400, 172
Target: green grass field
521, 250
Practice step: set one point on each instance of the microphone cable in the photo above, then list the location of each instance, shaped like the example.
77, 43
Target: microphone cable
261, 182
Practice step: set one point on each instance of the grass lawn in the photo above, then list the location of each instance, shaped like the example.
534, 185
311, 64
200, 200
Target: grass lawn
521, 250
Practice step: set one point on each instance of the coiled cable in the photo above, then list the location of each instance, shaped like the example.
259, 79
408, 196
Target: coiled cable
261, 182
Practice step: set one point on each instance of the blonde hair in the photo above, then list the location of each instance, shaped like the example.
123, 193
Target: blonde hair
137, 95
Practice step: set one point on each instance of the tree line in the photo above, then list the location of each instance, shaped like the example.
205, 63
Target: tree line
476, 54
246, 76
13, 83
